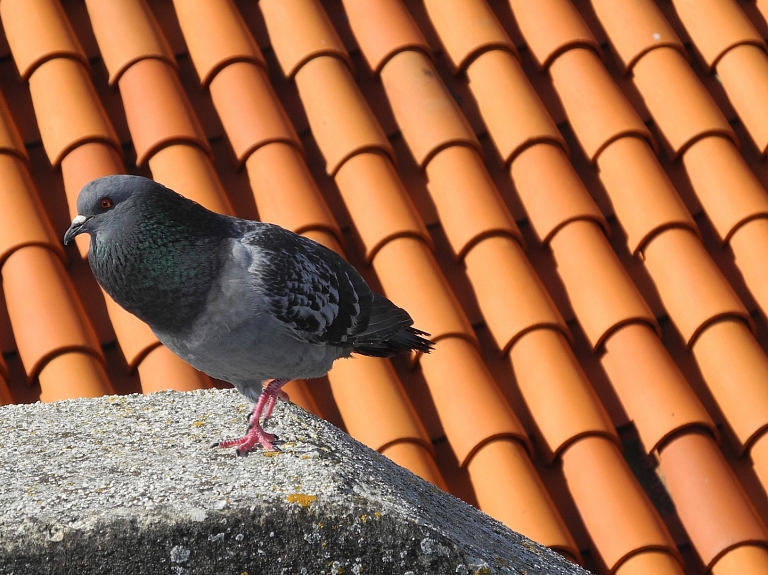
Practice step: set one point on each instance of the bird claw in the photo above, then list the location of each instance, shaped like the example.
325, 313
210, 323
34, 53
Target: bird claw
249, 442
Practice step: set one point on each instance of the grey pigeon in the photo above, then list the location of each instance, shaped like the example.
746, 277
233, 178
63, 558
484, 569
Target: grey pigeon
243, 301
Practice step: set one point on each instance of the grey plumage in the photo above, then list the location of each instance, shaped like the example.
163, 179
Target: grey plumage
242, 301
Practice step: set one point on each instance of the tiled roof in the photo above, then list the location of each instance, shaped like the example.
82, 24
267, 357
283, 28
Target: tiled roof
569, 195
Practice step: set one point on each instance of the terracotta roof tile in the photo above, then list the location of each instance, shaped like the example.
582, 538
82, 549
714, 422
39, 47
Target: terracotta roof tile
551, 191
636, 28
216, 36
39, 31
341, 122
299, 31
556, 391
734, 366
644, 199
67, 108
651, 387
601, 483
467, 30
427, 115
601, 292
127, 32
380, 43
716, 26
513, 113
710, 502
598, 111
681, 107
497, 171
526, 507
551, 27
378, 202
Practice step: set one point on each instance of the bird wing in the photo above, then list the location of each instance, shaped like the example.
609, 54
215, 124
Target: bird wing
319, 296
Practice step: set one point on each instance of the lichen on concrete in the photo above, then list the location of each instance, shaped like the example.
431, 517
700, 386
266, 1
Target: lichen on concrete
130, 485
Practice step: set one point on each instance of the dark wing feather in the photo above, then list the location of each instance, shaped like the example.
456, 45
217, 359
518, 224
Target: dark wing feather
309, 287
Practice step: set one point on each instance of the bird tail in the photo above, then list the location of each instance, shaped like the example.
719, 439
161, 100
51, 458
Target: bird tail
408, 339
389, 332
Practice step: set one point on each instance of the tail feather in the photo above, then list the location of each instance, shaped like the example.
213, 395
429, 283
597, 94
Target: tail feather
408, 339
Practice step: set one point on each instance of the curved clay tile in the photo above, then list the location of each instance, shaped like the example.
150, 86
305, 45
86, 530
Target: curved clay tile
37, 31
551, 27
472, 409
682, 108
22, 216
743, 72
742, 560
599, 288
285, 191
749, 244
428, 117
249, 109
417, 459
527, 508
650, 561
71, 375
690, 285
644, 199
556, 390
383, 29
597, 109
619, 517
402, 263
725, 185
715, 26
216, 36
161, 369
510, 294
190, 171
157, 109
341, 121
636, 28
127, 32
378, 202
511, 109
468, 29
467, 201
708, 498
68, 109
551, 190
735, 369
299, 31
46, 316
651, 387
367, 381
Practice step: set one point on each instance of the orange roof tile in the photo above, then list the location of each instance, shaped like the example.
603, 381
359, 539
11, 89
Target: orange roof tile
496, 164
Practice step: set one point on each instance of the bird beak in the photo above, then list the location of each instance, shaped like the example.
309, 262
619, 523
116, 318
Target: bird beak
75, 229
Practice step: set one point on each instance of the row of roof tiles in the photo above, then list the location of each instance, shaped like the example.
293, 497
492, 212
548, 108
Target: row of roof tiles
369, 185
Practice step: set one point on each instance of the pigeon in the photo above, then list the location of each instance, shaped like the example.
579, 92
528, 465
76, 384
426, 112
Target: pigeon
244, 301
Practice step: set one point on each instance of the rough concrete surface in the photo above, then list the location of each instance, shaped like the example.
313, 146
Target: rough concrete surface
129, 484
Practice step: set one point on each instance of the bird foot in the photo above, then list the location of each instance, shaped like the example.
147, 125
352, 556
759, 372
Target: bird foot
255, 436
255, 433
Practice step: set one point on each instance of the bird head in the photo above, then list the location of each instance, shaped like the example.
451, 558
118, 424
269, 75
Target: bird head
104, 200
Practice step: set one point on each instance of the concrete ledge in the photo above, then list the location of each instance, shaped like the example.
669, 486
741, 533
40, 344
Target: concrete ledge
129, 485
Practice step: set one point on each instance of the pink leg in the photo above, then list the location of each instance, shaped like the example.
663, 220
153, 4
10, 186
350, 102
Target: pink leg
256, 434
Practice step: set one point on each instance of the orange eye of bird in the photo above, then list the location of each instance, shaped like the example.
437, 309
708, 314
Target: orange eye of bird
105, 203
